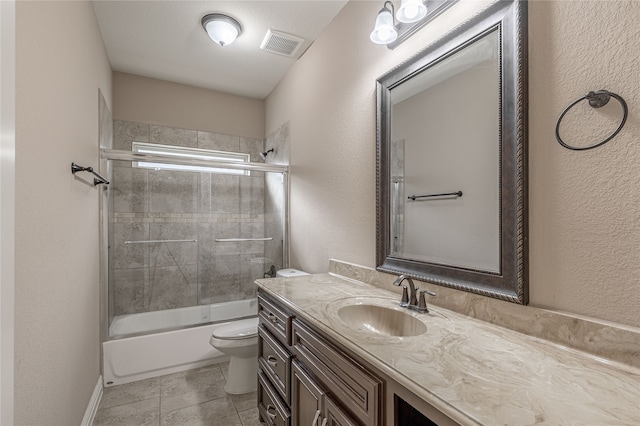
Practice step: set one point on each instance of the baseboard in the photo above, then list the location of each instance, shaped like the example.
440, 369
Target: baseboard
94, 403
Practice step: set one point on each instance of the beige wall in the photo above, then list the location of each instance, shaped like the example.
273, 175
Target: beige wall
153, 101
60, 65
7, 203
584, 221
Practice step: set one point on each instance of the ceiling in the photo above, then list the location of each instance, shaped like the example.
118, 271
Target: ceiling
165, 40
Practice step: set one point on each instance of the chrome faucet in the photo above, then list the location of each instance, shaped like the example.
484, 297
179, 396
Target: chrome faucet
412, 302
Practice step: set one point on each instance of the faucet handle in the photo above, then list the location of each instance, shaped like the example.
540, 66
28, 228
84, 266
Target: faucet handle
404, 302
422, 304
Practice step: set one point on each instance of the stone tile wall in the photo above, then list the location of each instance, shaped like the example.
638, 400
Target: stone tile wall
178, 205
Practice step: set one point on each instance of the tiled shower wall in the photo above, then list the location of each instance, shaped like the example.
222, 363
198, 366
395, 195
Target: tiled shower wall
151, 204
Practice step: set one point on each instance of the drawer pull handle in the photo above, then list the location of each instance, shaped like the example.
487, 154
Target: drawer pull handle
272, 361
324, 422
272, 318
315, 419
271, 411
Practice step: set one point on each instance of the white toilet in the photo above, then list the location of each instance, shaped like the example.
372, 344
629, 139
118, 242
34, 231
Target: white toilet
239, 340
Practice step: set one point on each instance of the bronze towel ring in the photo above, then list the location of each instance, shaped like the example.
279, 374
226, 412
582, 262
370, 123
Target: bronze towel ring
596, 100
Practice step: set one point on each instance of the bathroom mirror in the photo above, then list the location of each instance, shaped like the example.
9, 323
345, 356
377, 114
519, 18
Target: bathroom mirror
451, 159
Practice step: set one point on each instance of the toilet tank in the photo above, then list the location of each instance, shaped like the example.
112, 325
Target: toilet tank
288, 273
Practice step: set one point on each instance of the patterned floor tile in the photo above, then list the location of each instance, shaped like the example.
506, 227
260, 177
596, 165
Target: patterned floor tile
190, 388
244, 402
189, 398
250, 417
130, 392
217, 412
140, 413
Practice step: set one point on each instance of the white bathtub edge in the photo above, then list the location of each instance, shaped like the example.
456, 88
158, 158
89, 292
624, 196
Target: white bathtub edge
138, 358
94, 403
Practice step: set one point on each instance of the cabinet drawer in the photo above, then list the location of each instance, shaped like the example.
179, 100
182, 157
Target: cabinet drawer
274, 319
271, 408
356, 389
275, 361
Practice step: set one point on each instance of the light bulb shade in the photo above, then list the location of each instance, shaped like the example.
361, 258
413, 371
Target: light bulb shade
222, 29
411, 11
384, 31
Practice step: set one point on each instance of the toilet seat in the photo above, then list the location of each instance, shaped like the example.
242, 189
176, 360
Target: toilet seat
237, 330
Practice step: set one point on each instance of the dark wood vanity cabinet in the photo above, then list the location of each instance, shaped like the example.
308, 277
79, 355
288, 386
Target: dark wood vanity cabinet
304, 379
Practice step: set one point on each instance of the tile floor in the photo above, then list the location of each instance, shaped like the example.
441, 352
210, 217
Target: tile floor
189, 398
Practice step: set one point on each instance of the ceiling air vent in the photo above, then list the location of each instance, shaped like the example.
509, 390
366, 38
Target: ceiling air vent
281, 43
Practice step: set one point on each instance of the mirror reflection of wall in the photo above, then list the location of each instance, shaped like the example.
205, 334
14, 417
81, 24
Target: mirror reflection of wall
445, 126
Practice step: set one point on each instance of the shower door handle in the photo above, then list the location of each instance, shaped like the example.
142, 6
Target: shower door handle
272, 361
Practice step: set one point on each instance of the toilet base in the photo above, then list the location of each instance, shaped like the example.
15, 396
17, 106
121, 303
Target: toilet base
243, 375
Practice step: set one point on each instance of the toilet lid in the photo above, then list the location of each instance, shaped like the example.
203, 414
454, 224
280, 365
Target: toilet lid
237, 330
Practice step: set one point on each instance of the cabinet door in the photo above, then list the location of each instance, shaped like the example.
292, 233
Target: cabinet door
335, 416
306, 398
351, 384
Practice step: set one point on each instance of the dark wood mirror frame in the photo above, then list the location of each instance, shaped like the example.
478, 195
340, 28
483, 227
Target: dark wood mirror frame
511, 282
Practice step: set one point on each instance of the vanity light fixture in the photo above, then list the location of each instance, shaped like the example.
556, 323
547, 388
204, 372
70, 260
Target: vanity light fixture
385, 31
411, 11
411, 16
222, 29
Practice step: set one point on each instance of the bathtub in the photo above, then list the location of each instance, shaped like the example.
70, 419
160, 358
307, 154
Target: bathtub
143, 356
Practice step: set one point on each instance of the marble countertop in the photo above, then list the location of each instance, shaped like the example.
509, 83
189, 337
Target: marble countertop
472, 371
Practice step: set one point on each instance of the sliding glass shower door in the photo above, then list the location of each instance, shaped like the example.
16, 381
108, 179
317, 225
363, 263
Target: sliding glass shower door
186, 236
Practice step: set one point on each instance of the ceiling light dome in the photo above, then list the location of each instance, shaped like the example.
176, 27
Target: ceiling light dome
222, 29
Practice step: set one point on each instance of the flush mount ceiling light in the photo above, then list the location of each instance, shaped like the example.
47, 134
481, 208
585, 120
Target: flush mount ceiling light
222, 29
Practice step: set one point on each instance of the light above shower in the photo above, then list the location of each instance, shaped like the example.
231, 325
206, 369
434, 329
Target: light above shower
263, 155
182, 156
